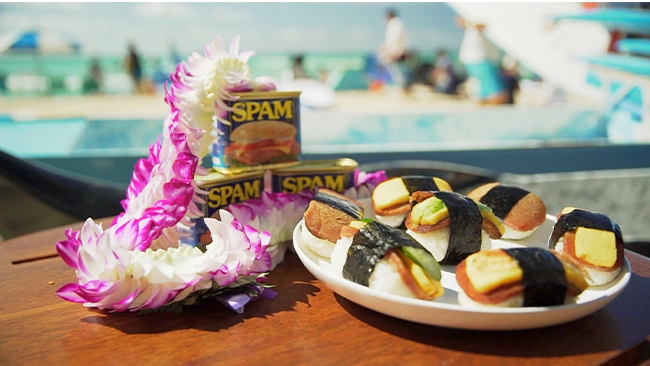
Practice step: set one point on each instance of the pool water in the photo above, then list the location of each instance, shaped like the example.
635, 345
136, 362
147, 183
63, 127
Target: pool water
555, 138
494, 127
118, 135
328, 131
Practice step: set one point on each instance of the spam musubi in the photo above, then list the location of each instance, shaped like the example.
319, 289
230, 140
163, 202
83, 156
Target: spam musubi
327, 213
451, 226
593, 240
386, 259
518, 277
390, 199
522, 211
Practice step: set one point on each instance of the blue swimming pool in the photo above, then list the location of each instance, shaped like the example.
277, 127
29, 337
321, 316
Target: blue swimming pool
505, 139
495, 127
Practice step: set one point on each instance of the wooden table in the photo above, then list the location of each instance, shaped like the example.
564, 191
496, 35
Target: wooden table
305, 324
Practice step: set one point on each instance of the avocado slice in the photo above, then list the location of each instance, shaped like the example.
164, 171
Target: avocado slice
429, 212
425, 260
489, 215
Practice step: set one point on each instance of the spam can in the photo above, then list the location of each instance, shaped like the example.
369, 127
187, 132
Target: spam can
262, 130
221, 190
337, 175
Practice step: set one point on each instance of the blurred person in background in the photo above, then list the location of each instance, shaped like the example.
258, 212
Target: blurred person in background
298, 67
484, 81
134, 68
394, 47
95, 79
417, 71
444, 77
392, 53
510, 76
315, 92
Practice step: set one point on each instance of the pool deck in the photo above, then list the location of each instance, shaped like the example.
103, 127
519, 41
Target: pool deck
89, 107
152, 106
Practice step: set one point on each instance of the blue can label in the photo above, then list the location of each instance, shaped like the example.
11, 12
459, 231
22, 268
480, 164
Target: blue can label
219, 194
262, 129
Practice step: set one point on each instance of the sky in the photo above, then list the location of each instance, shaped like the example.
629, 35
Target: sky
107, 28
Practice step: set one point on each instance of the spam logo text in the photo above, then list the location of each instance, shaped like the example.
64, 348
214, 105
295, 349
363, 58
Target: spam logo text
221, 196
258, 110
298, 183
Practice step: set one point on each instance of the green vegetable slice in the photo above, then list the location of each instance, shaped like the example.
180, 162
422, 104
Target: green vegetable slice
425, 260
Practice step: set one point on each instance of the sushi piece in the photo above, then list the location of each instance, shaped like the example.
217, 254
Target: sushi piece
388, 260
390, 199
521, 211
593, 240
519, 277
452, 226
326, 214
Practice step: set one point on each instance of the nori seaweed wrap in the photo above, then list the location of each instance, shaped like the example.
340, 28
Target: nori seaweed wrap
576, 218
369, 246
593, 240
518, 277
464, 218
522, 211
385, 258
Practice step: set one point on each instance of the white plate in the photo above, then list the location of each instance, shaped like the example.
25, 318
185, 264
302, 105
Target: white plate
445, 310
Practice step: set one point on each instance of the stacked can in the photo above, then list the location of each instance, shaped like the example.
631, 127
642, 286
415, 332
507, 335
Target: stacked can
336, 175
261, 130
258, 148
219, 191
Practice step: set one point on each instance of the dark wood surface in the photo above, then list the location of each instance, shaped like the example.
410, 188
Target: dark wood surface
305, 324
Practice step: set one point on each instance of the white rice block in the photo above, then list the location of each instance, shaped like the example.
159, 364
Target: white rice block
513, 302
384, 277
319, 246
595, 276
437, 241
393, 221
598, 277
387, 280
514, 234
340, 254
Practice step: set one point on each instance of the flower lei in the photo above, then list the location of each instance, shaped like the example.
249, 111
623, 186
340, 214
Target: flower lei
137, 263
